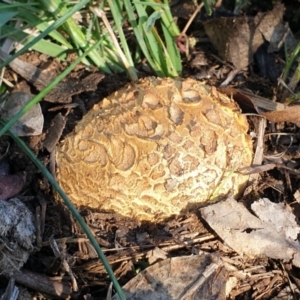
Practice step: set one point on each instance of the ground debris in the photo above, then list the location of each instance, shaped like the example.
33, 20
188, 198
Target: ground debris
238, 38
17, 232
253, 236
57, 126
31, 123
63, 91
179, 278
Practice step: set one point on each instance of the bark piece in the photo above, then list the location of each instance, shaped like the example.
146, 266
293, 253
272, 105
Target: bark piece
54, 132
237, 38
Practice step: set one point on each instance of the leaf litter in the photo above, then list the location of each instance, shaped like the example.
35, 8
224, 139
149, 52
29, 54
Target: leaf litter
272, 233
249, 268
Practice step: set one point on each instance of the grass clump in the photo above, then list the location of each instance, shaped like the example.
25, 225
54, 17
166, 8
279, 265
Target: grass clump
128, 32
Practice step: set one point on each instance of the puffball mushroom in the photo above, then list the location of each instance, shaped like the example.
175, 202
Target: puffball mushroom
156, 148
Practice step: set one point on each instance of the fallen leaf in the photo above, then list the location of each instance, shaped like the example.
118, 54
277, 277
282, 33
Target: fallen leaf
290, 114
237, 38
250, 102
156, 255
185, 277
277, 215
31, 123
247, 234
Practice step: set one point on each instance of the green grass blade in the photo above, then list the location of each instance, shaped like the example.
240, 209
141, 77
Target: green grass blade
169, 62
33, 18
140, 37
290, 62
58, 8
156, 15
118, 18
42, 24
42, 46
7, 15
17, 5
42, 94
207, 5
154, 48
171, 69
166, 16
46, 173
128, 64
73, 210
173, 52
53, 26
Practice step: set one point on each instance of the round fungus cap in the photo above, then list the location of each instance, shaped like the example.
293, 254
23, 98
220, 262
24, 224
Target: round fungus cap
156, 148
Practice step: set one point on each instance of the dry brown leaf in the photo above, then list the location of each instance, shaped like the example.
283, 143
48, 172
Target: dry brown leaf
290, 114
185, 277
237, 38
249, 235
250, 102
31, 123
277, 215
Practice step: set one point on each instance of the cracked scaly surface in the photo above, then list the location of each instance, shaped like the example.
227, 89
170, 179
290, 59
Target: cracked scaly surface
155, 148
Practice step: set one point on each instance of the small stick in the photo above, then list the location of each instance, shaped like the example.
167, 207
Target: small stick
65, 264
42, 283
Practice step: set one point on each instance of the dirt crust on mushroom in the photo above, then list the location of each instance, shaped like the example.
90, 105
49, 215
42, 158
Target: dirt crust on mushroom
156, 148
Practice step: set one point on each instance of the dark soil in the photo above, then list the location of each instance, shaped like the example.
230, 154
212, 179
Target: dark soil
125, 241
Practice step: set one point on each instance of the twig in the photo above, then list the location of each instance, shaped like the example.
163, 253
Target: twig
65, 264
42, 283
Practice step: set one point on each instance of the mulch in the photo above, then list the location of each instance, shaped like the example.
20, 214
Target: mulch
127, 243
